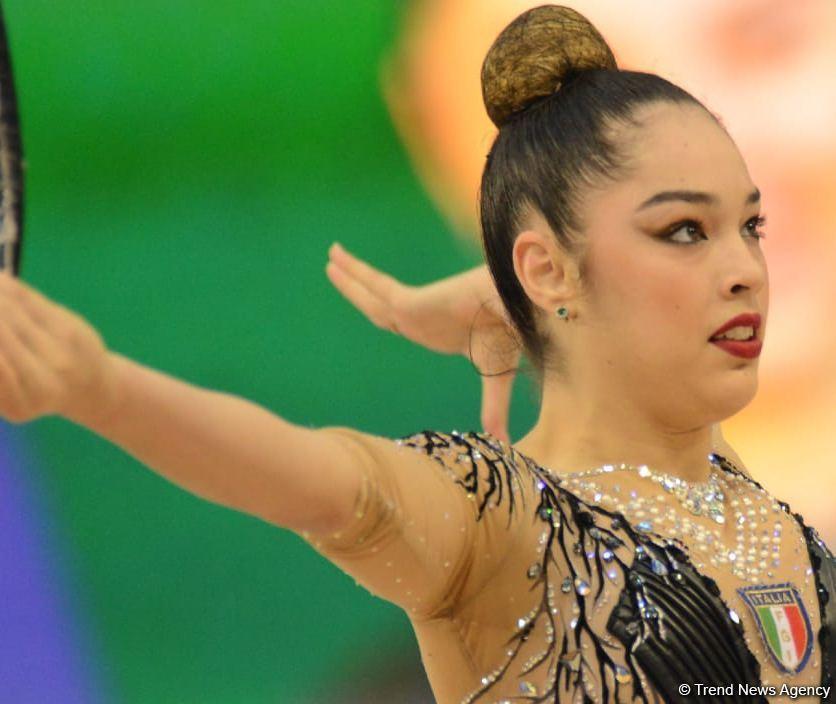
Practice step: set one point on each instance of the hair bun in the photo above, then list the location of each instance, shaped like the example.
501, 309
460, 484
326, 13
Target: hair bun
532, 55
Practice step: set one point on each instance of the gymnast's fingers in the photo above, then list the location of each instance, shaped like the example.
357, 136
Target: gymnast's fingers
375, 309
41, 310
11, 391
31, 331
382, 285
37, 346
27, 387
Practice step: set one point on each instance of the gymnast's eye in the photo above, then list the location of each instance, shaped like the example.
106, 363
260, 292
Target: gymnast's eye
692, 228
755, 223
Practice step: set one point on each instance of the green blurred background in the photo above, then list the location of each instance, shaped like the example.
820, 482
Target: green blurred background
188, 165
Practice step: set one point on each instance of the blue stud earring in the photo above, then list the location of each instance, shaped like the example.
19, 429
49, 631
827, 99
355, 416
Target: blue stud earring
563, 313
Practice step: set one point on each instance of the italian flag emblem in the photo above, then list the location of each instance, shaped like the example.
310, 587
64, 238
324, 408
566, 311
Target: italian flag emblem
783, 622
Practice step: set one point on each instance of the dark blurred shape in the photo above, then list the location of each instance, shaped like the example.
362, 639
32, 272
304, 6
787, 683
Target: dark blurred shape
387, 676
11, 164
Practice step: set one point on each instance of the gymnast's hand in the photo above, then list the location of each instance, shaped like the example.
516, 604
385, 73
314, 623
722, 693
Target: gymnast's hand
51, 360
460, 314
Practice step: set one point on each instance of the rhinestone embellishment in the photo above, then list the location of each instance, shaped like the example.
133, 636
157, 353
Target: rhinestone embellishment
699, 498
726, 498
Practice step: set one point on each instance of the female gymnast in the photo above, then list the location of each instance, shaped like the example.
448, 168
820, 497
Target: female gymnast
619, 551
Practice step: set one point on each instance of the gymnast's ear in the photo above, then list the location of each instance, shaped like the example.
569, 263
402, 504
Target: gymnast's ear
547, 273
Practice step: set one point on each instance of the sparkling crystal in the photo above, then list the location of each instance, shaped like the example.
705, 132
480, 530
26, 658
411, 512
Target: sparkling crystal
652, 512
622, 675
658, 567
581, 587
527, 688
636, 580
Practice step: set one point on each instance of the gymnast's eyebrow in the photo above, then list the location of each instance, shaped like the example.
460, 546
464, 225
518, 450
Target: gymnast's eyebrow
692, 197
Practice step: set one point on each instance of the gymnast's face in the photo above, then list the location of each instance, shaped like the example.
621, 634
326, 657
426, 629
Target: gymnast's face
664, 277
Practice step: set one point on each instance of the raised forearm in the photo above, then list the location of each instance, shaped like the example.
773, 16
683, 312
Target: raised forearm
479, 277
219, 446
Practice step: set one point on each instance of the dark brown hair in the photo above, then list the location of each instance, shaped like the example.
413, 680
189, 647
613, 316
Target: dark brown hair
551, 85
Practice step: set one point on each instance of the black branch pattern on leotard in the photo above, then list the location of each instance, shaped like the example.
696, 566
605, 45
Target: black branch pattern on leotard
478, 465
669, 622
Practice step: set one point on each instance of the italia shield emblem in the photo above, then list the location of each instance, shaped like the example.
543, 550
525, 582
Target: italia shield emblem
783, 623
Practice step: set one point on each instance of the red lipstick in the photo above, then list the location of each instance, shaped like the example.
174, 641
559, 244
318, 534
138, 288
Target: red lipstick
750, 320
747, 349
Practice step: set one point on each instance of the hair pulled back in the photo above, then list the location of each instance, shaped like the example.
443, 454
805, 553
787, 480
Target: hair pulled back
551, 85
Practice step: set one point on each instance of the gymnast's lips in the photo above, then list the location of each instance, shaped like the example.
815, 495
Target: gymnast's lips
748, 349
747, 320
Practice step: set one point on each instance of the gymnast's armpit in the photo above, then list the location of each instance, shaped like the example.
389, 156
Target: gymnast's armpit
426, 507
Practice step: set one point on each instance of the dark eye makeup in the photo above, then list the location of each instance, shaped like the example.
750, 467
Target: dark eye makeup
753, 224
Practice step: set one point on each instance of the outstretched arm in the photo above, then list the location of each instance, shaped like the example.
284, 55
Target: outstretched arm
221, 447
227, 449
235, 453
386, 515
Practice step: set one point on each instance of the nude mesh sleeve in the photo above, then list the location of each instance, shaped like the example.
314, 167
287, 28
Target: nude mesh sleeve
433, 517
